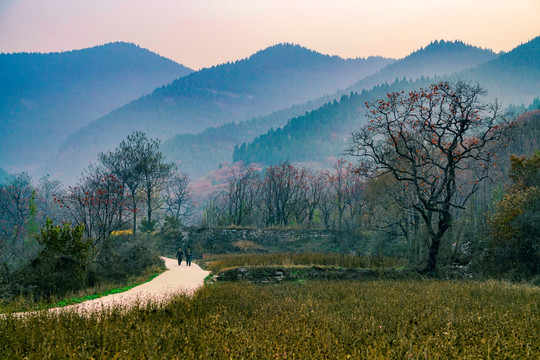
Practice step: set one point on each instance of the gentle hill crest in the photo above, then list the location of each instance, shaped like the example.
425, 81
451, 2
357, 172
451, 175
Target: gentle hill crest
439, 58
513, 77
274, 78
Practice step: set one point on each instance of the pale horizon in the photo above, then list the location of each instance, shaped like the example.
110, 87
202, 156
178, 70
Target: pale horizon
213, 32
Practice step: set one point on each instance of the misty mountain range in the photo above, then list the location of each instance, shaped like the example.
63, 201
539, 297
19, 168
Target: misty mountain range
79, 103
271, 79
438, 58
45, 97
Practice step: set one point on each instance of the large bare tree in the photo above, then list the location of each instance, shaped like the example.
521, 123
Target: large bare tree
435, 141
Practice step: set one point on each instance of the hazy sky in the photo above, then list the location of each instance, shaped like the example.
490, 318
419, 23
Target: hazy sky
201, 33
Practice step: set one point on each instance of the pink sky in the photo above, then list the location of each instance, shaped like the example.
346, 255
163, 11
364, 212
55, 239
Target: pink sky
202, 33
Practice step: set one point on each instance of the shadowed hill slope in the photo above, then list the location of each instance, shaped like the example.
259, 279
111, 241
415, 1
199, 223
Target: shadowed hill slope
271, 79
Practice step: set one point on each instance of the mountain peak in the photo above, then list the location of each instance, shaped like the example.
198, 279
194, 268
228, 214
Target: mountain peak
441, 47
289, 54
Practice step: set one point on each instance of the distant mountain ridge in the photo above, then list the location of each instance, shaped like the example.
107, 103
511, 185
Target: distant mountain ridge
513, 77
57, 93
323, 132
271, 79
439, 58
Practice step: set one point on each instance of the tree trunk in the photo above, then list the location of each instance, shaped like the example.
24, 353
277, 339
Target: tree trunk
134, 218
134, 223
149, 210
433, 251
436, 237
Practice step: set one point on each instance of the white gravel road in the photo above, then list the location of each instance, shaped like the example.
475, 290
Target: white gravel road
176, 279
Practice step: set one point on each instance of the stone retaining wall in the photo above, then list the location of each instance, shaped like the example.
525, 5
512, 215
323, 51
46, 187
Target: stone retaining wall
223, 240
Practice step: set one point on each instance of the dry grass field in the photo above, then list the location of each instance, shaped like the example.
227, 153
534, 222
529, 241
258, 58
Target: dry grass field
427, 319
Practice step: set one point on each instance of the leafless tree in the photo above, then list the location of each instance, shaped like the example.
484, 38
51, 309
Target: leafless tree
47, 190
177, 196
281, 190
98, 202
14, 208
240, 194
429, 140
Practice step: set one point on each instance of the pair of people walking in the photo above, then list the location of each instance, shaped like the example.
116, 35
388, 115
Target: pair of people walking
180, 254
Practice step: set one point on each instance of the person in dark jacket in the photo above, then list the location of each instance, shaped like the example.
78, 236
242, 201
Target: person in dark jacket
179, 255
188, 256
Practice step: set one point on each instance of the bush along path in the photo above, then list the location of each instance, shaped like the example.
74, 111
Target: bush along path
175, 280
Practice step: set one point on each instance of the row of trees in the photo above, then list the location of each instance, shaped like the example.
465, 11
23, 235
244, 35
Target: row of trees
285, 195
131, 178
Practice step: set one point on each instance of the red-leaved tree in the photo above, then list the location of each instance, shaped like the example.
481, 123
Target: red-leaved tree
99, 203
435, 142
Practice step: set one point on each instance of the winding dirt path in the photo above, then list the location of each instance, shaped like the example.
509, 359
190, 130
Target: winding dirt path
176, 279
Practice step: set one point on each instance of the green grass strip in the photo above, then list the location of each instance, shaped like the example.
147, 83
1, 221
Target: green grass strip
79, 300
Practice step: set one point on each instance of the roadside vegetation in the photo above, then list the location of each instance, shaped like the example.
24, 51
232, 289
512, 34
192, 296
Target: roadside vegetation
88, 239
28, 303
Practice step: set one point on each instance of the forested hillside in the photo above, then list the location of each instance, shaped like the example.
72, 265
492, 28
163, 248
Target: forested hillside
57, 93
272, 79
203, 152
318, 134
513, 77
438, 58
305, 138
